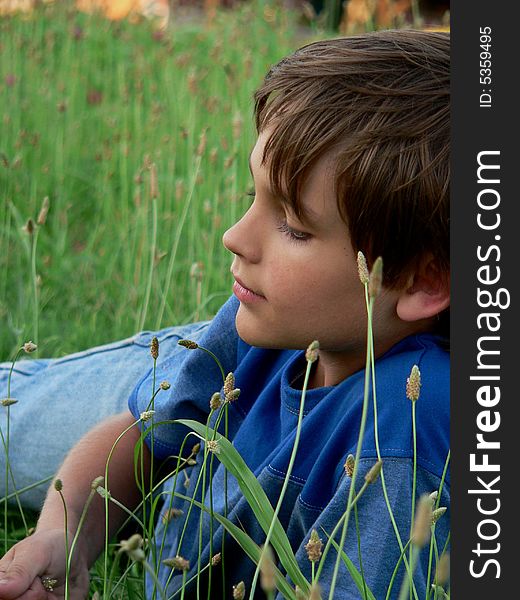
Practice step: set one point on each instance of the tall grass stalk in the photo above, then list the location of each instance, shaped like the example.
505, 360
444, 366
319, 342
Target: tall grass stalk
34, 279
175, 246
430, 554
27, 488
223, 412
58, 487
360, 558
153, 246
5, 442
376, 435
311, 356
107, 487
414, 487
358, 453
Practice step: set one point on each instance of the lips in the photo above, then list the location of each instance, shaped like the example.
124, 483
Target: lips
244, 293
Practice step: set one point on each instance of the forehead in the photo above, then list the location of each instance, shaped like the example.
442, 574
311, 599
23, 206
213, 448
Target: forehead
317, 195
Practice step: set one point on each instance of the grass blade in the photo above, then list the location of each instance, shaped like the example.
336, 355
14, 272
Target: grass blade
257, 499
354, 573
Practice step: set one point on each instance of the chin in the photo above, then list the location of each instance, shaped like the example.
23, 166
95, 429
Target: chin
264, 336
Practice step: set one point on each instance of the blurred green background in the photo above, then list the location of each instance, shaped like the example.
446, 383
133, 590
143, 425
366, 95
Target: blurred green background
91, 109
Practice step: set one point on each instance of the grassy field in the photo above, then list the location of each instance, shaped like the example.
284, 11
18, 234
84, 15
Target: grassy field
89, 109
135, 141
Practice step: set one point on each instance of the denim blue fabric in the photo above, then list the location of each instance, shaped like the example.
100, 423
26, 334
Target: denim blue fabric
262, 424
61, 399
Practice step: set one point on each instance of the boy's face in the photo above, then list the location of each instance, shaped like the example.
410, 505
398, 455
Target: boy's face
305, 277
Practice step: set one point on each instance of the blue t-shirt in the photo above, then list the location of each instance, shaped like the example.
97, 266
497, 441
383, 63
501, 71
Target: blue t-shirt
262, 425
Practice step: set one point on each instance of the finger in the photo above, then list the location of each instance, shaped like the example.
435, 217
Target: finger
20, 575
36, 591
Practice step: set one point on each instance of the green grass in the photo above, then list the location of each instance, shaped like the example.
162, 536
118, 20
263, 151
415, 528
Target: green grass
90, 110
86, 106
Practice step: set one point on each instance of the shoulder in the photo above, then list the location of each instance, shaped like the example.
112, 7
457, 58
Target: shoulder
429, 415
194, 375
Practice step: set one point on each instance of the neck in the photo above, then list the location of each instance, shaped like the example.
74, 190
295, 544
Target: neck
332, 368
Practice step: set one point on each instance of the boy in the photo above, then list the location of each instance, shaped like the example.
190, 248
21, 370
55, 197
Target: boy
352, 154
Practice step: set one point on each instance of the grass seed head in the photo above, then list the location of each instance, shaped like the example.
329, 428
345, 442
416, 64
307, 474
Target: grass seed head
215, 401
375, 282
213, 446
413, 384
437, 514
362, 266
267, 571
154, 348
188, 344
215, 560
229, 383
197, 271
146, 415
179, 189
237, 123
196, 449
132, 543
165, 385
29, 347
58, 485
170, 514
311, 354
442, 572
314, 547
230, 392
48, 583
29, 227
213, 154
177, 562
229, 160
133, 546
8, 401
233, 395
349, 465
315, 593
192, 82
422, 522
239, 591
154, 188
44, 210
203, 138
433, 496
374, 472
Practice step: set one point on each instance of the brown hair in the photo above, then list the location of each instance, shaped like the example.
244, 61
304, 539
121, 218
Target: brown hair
379, 102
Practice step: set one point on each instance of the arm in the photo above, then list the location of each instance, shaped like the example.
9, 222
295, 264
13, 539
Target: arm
43, 553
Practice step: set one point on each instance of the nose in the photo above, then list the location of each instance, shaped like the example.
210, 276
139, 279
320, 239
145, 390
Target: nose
242, 238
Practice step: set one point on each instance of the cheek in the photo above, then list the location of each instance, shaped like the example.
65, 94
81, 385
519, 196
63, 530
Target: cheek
309, 284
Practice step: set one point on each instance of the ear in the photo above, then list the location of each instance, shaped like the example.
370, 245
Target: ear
426, 294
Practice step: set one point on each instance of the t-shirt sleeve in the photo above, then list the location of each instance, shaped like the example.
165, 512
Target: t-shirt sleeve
193, 379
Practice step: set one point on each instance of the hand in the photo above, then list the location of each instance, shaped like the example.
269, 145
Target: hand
42, 555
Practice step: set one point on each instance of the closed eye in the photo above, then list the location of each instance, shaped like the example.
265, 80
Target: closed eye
293, 234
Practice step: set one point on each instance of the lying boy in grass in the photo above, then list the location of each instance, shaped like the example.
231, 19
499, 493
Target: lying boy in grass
352, 155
